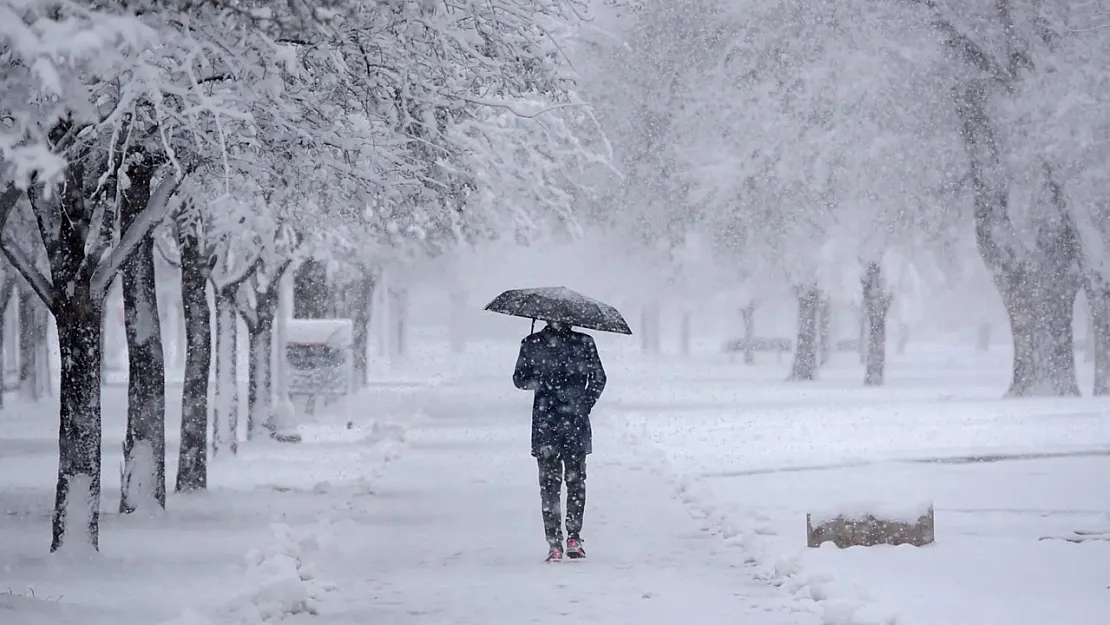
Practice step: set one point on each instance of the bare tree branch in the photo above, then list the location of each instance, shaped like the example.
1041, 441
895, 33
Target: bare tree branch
971, 51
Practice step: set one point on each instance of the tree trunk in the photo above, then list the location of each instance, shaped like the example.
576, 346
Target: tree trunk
805, 352
824, 329
260, 385
684, 333
1098, 299
400, 300
1040, 306
77, 498
983, 337
7, 288
1039, 285
903, 338
32, 345
860, 312
1088, 343
362, 301
861, 342
77, 308
144, 447
312, 299
192, 463
748, 315
226, 414
876, 304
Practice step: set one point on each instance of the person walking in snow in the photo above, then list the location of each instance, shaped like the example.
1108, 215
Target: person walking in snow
564, 370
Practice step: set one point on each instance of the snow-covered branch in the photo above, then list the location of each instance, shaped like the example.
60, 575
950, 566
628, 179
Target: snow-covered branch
145, 223
8, 199
234, 278
24, 264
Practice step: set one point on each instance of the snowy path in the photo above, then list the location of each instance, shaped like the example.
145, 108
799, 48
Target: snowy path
453, 535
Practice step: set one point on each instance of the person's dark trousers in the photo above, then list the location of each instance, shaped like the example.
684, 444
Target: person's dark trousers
554, 468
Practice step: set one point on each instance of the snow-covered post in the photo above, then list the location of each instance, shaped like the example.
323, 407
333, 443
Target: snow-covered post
284, 418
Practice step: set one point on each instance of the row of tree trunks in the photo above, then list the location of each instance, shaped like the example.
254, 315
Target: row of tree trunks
814, 344
31, 347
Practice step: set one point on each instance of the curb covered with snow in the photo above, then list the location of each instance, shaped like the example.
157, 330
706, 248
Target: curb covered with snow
838, 602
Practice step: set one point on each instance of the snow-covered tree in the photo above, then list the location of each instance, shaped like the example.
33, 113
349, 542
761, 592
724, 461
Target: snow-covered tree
1026, 234
116, 106
77, 83
1053, 123
804, 140
434, 121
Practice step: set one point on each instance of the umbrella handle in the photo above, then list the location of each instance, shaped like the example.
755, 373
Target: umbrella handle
533, 326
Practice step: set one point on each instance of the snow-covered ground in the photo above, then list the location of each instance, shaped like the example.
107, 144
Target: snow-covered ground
426, 511
1022, 510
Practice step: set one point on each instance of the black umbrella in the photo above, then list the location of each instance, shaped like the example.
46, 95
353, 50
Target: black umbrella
560, 304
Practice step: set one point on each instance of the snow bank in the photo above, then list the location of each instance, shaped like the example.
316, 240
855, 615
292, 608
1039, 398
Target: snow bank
383, 445
277, 581
385, 432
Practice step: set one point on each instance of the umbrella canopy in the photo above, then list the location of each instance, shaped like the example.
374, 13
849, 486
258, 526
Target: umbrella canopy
560, 304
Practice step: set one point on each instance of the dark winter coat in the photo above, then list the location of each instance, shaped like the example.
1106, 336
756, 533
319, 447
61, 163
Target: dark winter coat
564, 369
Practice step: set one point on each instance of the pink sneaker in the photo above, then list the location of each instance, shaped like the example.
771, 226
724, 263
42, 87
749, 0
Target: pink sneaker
575, 549
555, 555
